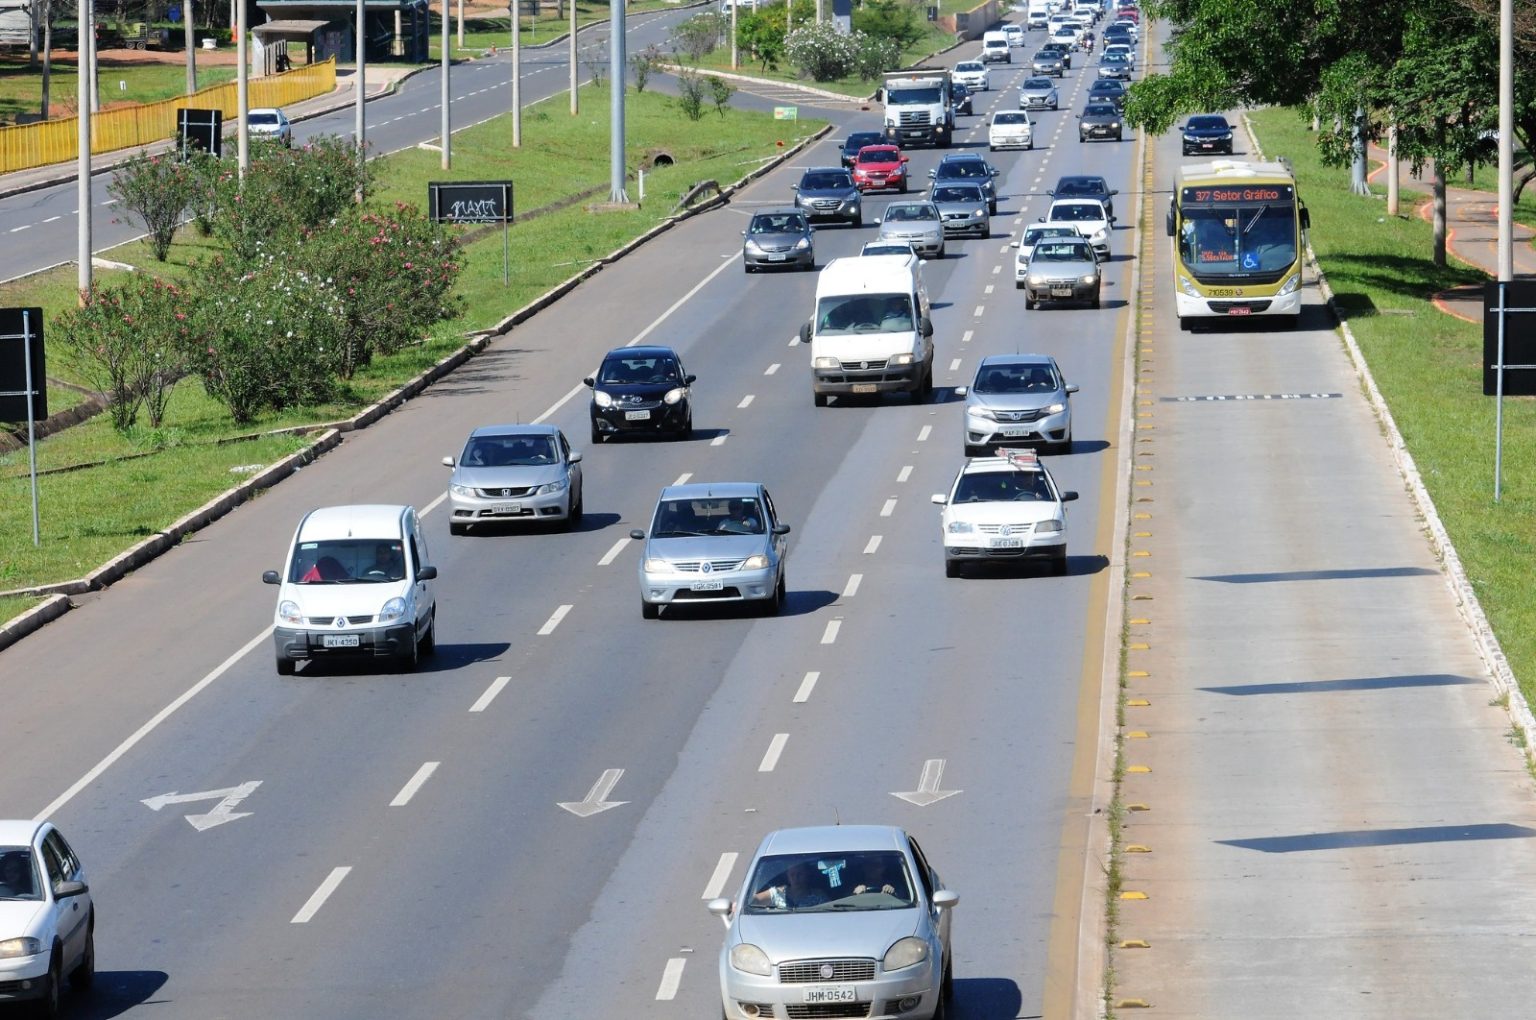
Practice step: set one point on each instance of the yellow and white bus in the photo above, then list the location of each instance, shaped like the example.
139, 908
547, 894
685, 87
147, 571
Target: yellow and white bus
1237, 244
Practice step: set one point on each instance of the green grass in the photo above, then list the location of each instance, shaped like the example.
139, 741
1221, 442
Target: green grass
13, 606
21, 86
94, 513
1429, 368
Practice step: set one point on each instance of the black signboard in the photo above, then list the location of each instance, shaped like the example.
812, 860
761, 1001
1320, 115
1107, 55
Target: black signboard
470, 201
1519, 338
21, 340
199, 130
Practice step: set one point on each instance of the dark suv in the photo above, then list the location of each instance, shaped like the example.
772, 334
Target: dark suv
828, 193
970, 168
856, 141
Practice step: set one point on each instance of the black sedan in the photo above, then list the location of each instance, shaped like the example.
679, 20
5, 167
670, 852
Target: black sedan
1207, 132
1108, 90
960, 98
641, 390
1099, 120
856, 141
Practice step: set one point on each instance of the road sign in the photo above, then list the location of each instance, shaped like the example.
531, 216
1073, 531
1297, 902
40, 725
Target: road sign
786, 113
21, 365
199, 130
470, 201
1519, 338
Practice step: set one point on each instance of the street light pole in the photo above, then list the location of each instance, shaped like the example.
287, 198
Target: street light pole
447, 161
1506, 140
359, 129
83, 164
616, 104
571, 57
517, 74
242, 90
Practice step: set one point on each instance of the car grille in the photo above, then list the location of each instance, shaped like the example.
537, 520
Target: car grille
801, 1011
863, 366
697, 566
1014, 530
1040, 101
825, 203
330, 621
727, 592
516, 492
957, 215
1032, 415
809, 971
913, 117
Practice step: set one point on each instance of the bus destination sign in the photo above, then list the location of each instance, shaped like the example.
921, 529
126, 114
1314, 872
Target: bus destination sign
1229, 195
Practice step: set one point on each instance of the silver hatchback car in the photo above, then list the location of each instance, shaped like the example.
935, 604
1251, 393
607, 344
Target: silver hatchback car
713, 542
1018, 398
917, 223
514, 473
837, 920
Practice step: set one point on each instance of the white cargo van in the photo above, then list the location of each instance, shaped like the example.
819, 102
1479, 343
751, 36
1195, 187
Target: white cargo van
995, 47
357, 584
871, 333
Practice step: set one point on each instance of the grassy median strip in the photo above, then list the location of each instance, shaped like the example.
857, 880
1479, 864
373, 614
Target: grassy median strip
1428, 366
145, 480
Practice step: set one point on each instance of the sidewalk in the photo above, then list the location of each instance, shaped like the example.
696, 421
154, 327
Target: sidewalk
1472, 235
380, 81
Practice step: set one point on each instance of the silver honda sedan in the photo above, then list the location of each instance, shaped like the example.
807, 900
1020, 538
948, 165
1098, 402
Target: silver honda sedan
713, 542
1017, 399
837, 920
510, 473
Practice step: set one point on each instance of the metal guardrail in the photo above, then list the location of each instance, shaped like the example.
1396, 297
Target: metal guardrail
24, 146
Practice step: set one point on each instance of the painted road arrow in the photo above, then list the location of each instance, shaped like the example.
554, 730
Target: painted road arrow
224, 811
928, 791
596, 799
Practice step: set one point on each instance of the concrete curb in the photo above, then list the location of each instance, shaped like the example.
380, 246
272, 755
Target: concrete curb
673, 69
1467, 603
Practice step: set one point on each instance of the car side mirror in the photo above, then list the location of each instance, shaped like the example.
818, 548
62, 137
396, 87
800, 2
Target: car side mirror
925, 324
689, 380
877, 221
427, 573
805, 332
448, 462
588, 381
1178, 127
906, 159
1013, 244
637, 534
574, 458
933, 173
944, 899
270, 577
1114, 191
961, 391
996, 172
720, 907
1071, 387
1039, 219
794, 187
743, 233
939, 498
781, 529
1069, 495
64, 890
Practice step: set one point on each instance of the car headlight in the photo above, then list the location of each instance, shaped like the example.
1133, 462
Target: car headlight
655, 566
802, 244
750, 959
393, 610
1055, 408
826, 363
289, 612
550, 488
979, 212
461, 490
1190, 138
959, 528
981, 412
757, 561
907, 952
1089, 278
1187, 287
752, 245
27, 946
1116, 125
1290, 285
1227, 137
674, 395
1048, 527
1037, 281
902, 359
601, 399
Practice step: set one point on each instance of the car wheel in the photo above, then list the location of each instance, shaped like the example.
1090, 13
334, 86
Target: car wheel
597, 437
1119, 137
455, 528
903, 188
1029, 302
686, 432
947, 987
1095, 302
573, 516
952, 568
410, 658
991, 147
941, 251
1059, 565
84, 974
649, 610
285, 666
1082, 138
1029, 146
429, 639
820, 398
858, 220
746, 267
775, 603
48, 1005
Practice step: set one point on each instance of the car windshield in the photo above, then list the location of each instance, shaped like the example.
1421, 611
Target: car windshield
970, 65
1032, 235
1007, 117
1100, 110
860, 139
907, 213
776, 223
641, 371
695, 518
1076, 212
958, 193
347, 561
510, 451
263, 119
18, 874
1079, 186
887, 249
1061, 251
864, 313
826, 181
826, 883
1014, 379
1002, 486
963, 168
878, 156
1208, 123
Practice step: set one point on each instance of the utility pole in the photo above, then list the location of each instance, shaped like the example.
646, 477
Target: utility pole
461, 24
517, 75
735, 56
190, 39
359, 129
83, 162
575, 100
447, 161
1506, 140
616, 104
242, 90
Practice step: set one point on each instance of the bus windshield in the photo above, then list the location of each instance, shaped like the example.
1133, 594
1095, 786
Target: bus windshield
1239, 240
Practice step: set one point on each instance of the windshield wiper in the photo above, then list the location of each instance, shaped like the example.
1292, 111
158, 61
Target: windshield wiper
681, 534
1262, 210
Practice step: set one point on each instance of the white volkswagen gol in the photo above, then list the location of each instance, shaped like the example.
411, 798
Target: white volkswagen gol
1004, 509
47, 919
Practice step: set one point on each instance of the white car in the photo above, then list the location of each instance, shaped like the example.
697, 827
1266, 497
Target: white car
1004, 509
1026, 245
973, 74
1010, 129
1130, 54
1067, 35
1085, 214
1015, 34
47, 919
269, 122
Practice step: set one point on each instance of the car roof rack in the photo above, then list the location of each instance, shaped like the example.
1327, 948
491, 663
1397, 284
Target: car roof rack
1024, 459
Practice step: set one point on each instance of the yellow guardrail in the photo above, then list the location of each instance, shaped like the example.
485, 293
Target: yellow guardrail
23, 146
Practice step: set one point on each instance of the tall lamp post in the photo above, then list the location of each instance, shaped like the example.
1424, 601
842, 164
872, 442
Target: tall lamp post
359, 127
83, 166
616, 105
517, 73
447, 161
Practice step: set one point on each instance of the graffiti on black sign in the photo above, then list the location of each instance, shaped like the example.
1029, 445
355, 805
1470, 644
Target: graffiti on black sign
470, 201
484, 210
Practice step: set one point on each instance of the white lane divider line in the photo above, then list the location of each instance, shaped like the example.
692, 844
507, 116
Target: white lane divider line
923, 433
746, 402
52, 218
671, 977
554, 620
682, 479
771, 756
433, 505
980, 311
965, 337
889, 507
415, 783
989, 288
484, 701
719, 440
613, 553
794, 341
996, 270
773, 368
1003, 250
872, 545
317, 900
954, 366
829, 636
17, 230
720, 875
806, 687
854, 580
904, 473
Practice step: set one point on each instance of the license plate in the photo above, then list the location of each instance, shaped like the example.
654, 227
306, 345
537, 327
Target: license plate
637, 415
507, 508
771, 258
1061, 292
706, 586
339, 640
1014, 431
831, 993
864, 387
1007, 543
1240, 310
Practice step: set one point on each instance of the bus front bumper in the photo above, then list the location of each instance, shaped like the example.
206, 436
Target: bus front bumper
1206, 307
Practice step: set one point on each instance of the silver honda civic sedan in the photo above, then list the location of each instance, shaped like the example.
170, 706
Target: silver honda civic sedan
837, 920
713, 542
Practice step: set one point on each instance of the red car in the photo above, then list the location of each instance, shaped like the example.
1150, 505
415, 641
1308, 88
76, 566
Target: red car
880, 166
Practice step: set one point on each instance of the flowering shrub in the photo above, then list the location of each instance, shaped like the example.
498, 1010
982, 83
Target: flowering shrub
286, 191
156, 189
822, 53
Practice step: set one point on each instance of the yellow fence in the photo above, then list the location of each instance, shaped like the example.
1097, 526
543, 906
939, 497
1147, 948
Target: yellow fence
55, 141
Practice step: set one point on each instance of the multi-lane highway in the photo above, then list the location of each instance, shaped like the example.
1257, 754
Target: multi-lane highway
406, 852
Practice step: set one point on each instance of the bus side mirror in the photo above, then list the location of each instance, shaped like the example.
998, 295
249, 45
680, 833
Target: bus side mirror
1170, 220
1306, 219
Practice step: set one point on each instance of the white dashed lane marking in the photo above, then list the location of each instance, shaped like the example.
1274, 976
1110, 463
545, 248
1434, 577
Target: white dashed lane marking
854, 580
554, 620
889, 507
484, 701
414, 783
923, 433
965, 337
954, 366
682, 479
772, 368
904, 473
771, 756
746, 402
718, 440
671, 977
721, 873
320, 895
806, 686
829, 636
613, 553
872, 545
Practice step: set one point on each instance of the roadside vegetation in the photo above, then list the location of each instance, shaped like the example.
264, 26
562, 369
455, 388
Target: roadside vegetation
21, 85
144, 475
1429, 367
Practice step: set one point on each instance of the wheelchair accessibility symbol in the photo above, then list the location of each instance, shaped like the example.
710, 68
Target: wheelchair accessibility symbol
1250, 260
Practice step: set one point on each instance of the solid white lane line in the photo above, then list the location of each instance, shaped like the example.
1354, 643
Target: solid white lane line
682, 479
613, 553
671, 977
904, 473
854, 580
954, 366
722, 872
806, 686
415, 783
746, 402
889, 508
829, 636
771, 756
317, 900
872, 545
772, 368
484, 701
554, 620
923, 433
143, 731
718, 440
